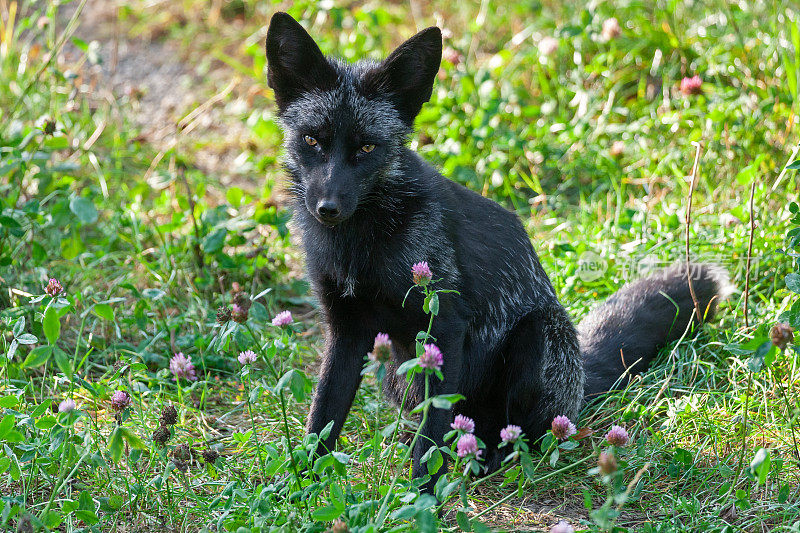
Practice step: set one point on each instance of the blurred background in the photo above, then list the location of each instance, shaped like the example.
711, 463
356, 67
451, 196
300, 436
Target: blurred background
581, 117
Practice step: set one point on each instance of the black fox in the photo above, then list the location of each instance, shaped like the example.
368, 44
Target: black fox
369, 207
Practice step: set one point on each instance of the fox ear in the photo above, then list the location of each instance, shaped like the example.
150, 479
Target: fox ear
295, 64
408, 73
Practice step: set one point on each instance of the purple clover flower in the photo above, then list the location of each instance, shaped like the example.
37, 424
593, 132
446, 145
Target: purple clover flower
239, 313
562, 427
431, 358
247, 357
562, 527
66, 406
467, 445
463, 423
548, 46
182, 367
53, 288
284, 318
611, 29
510, 433
617, 436
421, 273
693, 85
382, 349
120, 400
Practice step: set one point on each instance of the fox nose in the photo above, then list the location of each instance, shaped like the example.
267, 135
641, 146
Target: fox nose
327, 209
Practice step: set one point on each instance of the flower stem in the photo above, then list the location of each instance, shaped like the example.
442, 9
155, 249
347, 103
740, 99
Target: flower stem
282, 398
396, 429
255, 431
384, 504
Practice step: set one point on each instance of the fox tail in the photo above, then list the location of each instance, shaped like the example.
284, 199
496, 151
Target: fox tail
626, 332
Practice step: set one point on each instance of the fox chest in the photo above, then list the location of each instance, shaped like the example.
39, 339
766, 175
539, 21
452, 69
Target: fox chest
368, 271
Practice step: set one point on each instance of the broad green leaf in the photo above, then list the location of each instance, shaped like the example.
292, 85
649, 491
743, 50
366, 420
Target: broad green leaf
85, 501
115, 444
27, 338
90, 517
322, 463
426, 522
463, 521
408, 365
52, 519
37, 357
12, 349
433, 305
9, 222
63, 361
760, 465
337, 494
446, 401
41, 408
214, 240
343, 458
404, 513
300, 385
51, 325
9, 401
783, 495
134, 441
13, 436
435, 461
793, 282
527, 466
447, 489
234, 196
283, 382
19, 326
756, 363
46, 422
5, 425
554, 457
104, 311
84, 209
327, 513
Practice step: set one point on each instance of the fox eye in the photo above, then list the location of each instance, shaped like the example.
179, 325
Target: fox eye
367, 148
311, 141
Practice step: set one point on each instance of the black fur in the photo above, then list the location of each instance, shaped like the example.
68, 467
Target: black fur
296, 64
407, 74
626, 332
509, 345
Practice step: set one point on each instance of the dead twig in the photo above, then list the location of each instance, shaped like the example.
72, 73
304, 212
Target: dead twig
749, 256
698, 147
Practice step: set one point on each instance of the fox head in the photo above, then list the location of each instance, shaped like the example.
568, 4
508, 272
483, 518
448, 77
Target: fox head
345, 124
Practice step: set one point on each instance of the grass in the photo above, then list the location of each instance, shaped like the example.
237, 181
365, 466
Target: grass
591, 145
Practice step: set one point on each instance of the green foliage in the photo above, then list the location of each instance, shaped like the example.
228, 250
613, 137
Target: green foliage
589, 142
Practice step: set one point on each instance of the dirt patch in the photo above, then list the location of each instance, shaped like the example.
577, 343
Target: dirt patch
170, 102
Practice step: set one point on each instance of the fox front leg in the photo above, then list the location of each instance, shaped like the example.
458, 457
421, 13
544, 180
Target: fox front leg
339, 377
